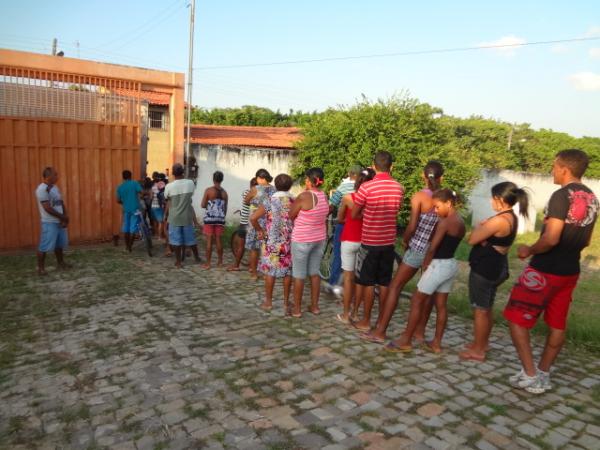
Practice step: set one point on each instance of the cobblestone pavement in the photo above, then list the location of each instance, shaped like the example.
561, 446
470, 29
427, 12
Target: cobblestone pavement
125, 352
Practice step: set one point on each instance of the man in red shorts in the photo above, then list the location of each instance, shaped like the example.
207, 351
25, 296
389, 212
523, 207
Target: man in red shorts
547, 284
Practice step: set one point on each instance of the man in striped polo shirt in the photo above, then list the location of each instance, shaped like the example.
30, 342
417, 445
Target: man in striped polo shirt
378, 201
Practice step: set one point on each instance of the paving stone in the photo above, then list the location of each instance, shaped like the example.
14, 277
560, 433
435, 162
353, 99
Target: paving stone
430, 410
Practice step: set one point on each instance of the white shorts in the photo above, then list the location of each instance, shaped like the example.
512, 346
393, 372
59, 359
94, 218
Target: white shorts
348, 252
438, 277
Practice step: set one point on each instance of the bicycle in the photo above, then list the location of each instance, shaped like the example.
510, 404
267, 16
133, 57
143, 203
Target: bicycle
236, 243
325, 267
143, 232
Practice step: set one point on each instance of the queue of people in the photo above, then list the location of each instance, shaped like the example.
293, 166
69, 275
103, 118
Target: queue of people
286, 237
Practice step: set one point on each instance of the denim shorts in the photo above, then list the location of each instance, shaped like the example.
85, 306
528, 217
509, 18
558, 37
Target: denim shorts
482, 292
413, 259
182, 235
306, 258
130, 222
53, 237
158, 214
348, 251
438, 277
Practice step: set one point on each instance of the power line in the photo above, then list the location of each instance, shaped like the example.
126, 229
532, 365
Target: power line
406, 53
142, 26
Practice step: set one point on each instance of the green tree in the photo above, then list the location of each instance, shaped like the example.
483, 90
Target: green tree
410, 130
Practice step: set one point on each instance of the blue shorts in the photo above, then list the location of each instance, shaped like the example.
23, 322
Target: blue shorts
182, 235
53, 237
158, 214
130, 222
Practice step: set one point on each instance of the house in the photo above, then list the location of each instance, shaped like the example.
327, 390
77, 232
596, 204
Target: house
239, 152
87, 119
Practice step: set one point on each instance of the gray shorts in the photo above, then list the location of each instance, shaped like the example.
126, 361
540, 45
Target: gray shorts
413, 259
306, 258
438, 277
349, 250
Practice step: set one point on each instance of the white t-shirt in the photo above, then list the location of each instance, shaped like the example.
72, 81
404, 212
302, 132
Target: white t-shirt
52, 195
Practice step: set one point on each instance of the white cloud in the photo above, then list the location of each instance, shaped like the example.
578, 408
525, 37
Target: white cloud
593, 32
506, 45
585, 81
559, 48
595, 53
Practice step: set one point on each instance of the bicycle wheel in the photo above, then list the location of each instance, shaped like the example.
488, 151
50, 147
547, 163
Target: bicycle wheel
325, 267
237, 247
146, 237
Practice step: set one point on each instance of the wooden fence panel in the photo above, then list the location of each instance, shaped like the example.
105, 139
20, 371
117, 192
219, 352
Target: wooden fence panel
89, 157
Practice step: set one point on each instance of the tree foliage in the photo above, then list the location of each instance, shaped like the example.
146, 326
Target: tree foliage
249, 115
414, 133
338, 138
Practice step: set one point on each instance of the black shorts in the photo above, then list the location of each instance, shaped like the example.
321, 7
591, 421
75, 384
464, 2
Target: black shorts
374, 265
242, 231
482, 291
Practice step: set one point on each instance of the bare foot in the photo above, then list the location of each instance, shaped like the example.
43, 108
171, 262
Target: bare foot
266, 307
471, 346
178, 265
419, 339
316, 311
362, 325
206, 266
233, 269
471, 355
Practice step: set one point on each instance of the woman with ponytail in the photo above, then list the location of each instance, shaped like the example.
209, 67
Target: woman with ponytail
491, 240
309, 212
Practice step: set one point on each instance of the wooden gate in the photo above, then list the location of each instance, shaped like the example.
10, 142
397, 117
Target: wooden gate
72, 122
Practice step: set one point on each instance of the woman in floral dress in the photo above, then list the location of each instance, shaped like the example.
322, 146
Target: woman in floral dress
276, 235
257, 195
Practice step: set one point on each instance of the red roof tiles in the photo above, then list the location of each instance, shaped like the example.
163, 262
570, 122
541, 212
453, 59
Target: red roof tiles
153, 98
270, 137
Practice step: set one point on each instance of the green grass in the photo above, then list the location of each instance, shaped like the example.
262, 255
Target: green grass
584, 318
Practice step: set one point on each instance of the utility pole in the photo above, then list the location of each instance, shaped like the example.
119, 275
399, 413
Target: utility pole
189, 90
510, 138
54, 45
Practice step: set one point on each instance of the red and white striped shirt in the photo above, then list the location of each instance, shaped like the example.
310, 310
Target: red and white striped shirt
381, 199
309, 225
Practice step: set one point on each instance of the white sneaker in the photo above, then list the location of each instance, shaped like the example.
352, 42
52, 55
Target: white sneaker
545, 380
338, 291
514, 379
521, 379
537, 387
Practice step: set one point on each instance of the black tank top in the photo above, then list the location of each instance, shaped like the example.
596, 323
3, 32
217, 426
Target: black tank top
505, 241
447, 247
486, 261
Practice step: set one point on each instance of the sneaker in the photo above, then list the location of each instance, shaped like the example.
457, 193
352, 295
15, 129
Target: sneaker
521, 379
537, 387
338, 291
514, 379
545, 380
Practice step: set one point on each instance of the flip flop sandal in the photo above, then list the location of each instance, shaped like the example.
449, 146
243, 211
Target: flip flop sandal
369, 337
395, 348
341, 319
468, 356
429, 348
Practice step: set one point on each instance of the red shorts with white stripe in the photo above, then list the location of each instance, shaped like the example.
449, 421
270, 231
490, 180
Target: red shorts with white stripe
536, 292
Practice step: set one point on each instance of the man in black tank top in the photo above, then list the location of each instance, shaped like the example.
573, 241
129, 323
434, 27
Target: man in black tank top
547, 284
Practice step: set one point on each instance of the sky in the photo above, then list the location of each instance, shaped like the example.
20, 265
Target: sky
553, 86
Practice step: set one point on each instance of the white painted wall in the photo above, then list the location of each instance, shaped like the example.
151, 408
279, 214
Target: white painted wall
540, 189
238, 164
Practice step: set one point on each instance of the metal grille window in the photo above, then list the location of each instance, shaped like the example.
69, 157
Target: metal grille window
33, 93
158, 119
